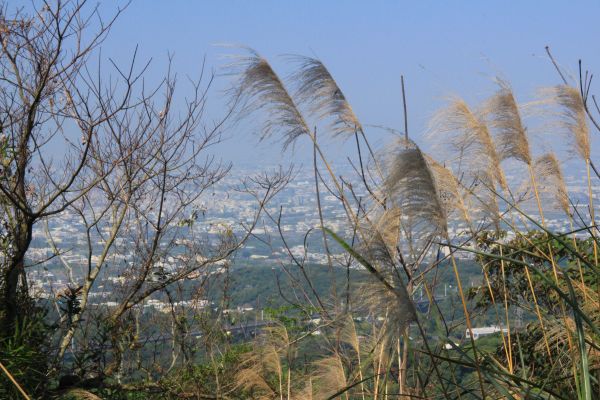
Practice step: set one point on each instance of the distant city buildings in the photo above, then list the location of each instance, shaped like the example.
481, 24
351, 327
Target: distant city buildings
59, 249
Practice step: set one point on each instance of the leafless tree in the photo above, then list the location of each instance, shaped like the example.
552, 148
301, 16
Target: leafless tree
48, 102
128, 160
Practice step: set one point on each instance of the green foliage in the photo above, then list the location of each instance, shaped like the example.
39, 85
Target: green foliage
290, 316
530, 248
216, 375
261, 285
558, 350
26, 356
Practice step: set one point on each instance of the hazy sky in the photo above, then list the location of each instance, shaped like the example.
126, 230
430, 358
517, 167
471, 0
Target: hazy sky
443, 48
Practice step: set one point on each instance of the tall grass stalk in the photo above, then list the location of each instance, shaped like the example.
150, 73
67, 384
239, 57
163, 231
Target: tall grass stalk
14, 382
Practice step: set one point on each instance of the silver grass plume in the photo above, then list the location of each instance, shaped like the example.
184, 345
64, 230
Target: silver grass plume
307, 391
385, 237
321, 93
398, 307
573, 119
549, 173
411, 187
250, 378
448, 189
487, 200
348, 333
329, 376
259, 88
380, 249
559, 330
413, 202
506, 124
467, 133
264, 361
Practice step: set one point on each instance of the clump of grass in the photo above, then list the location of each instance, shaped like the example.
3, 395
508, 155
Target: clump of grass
395, 239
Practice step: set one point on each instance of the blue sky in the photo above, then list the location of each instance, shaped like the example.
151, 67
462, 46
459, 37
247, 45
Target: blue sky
443, 48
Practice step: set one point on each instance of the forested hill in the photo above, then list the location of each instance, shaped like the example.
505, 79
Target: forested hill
257, 285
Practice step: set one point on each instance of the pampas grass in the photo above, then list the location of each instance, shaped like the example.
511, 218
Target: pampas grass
388, 230
329, 377
547, 169
419, 196
380, 251
572, 118
411, 187
259, 88
398, 307
266, 360
348, 334
466, 132
504, 119
256, 368
573, 121
320, 92
448, 188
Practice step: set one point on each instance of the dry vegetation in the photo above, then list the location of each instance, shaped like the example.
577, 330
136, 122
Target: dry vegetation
400, 223
140, 165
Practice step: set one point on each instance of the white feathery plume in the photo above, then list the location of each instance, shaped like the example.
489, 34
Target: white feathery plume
411, 187
330, 376
448, 189
506, 124
259, 88
549, 174
320, 92
572, 116
467, 133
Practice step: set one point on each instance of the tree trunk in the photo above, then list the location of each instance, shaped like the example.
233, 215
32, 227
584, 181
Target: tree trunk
16, 279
